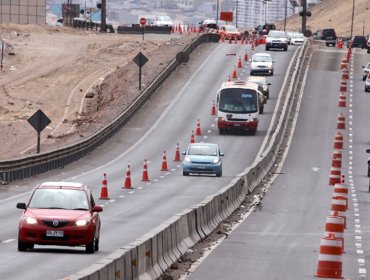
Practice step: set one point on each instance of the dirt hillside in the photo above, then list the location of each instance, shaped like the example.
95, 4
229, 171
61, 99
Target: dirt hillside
80, 79
335, 14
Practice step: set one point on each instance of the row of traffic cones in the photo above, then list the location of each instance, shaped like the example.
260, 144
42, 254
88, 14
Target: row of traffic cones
145, 174
332, 244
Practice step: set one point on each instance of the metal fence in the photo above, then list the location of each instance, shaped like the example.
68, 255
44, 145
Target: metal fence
23, 11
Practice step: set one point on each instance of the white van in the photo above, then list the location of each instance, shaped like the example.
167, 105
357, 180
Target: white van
238, 104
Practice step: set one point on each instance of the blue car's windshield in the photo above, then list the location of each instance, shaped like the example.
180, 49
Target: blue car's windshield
203, 150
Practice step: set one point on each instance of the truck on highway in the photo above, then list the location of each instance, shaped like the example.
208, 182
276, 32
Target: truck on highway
238, 107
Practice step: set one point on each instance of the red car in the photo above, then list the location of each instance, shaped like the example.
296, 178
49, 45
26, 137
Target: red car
60, 213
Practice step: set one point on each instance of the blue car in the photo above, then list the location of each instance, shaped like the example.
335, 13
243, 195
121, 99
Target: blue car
202, 158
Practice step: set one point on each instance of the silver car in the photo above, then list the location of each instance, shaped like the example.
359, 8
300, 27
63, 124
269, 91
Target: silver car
367, 83
366, 71
262, 63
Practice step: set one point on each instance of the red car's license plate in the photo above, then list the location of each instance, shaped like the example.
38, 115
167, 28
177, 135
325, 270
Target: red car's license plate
55, 233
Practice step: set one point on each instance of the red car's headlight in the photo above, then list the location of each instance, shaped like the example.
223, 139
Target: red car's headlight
83, 222
29, 220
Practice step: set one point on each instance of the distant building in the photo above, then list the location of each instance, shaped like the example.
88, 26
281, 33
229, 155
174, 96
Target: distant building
250, 13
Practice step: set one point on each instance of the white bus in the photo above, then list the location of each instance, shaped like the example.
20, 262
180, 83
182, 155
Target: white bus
238, 106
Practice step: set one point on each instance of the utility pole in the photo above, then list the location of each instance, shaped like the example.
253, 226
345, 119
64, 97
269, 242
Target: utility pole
103, 27
285, 14
304, 16
236, 13
217, 5
353, 16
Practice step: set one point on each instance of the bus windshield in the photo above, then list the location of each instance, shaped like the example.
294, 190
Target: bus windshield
238, 101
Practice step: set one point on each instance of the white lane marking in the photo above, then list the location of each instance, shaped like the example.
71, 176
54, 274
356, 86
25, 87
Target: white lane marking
139, 188
131, 192
8, 241
159, 120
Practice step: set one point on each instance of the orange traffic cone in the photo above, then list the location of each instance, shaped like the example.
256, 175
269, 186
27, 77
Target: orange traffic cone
335, 175
198, 131
177, 153
234, 75
246, 56
228, 79
104, 189
338, 141
343, 86
145, 176
339, 204
341, 190
164, 162
345, 74
236, 40
242, 40
222, 37
335, 224
213, 110
337, 159
330, 258
342, 99
128, 178
192, 138
341, 121
240, 62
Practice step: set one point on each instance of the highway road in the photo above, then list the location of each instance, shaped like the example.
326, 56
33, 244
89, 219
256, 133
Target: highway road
168, 118
281, 238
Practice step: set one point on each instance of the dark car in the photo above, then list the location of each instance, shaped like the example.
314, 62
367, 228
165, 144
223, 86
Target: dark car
357, 42
60, 213
265, 28
328, 35
208, 24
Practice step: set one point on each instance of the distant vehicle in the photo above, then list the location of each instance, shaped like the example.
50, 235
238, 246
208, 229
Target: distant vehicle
261, 63
367, 83
366, 71
357, 42
208, 23
163, 21
238, 107
328, 35
276, 39
230, 32
202, 158
265, 28
263, 82
296, 38
368, 44
60, 213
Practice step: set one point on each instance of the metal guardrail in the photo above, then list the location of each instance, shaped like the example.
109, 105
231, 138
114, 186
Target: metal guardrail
15, 169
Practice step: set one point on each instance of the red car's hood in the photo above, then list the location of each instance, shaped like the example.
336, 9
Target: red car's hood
57, 214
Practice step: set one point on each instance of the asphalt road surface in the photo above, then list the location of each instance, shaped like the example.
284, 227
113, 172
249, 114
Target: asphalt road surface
281, 238
168, 118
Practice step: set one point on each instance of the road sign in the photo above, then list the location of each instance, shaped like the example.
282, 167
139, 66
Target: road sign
140, 60
39, 121
142, 21
226, 16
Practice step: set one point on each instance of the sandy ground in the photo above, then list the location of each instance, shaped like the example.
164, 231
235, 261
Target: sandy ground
80, 79
335, 14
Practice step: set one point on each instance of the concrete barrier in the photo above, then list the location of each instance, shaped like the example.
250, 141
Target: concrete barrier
153, 253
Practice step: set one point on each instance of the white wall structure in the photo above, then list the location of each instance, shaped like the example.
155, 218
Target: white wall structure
23, 11
250, 13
